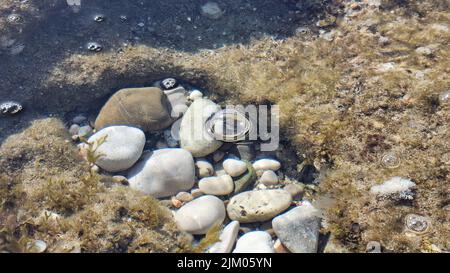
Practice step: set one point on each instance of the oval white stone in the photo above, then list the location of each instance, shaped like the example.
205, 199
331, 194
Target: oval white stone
216, 185
266, 164
234, 167
163, 172
199, 215
122, 148
255, 242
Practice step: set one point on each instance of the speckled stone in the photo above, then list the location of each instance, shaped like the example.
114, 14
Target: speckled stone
258, 206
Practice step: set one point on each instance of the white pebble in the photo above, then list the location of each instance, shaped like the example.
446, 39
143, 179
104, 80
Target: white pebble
199, 215
267, 164
255, 242
122, 148
216, 185
234, 167
269, 178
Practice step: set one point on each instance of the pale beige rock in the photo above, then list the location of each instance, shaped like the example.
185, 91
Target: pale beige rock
234, 167
199, 215
258, 206
216, 185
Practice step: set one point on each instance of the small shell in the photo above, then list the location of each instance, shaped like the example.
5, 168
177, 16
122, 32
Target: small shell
10, 108
417, 224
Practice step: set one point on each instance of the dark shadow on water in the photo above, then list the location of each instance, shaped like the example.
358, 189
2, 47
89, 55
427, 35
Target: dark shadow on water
55, 31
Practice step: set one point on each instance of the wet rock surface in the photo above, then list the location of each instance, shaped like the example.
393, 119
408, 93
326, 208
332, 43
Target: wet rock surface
258, 206
121, 148
163, 173
146, 108
298, 229
199, 215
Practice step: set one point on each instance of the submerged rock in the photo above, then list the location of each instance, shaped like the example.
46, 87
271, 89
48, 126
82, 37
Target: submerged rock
269, 178
258, 206
234, 167
227, 239
255, 242
266, 164
147, 108
178, 101
199, 215
163, 172
193, 134
298, 229
121, 149
216, 185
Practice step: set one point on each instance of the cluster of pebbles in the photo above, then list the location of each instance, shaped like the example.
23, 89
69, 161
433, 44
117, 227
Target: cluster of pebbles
154, 139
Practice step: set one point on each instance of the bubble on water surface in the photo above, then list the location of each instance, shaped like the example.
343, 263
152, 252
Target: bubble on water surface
390, 160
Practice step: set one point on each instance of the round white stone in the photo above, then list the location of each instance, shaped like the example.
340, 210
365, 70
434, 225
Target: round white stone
255, 242
266, 164
216, 185
199, 215
269, 178
163, 173
122, 148
234, 167
227, 239
259, 205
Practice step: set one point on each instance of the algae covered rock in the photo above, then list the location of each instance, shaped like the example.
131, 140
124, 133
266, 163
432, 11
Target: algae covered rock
119, 147
147, 108
163, 172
